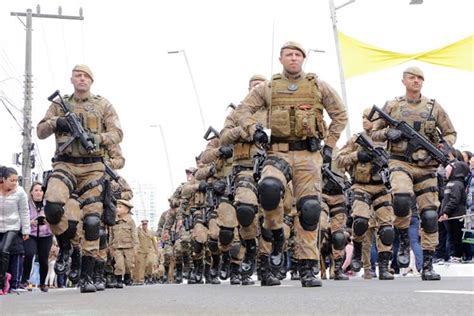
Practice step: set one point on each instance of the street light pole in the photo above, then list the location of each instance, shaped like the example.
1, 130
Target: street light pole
333, 9
167, 156
194, 84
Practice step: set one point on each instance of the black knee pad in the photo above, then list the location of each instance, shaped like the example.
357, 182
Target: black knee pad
53, 211
70, 232
386, 235
102, 238
198, 247
91, 227
213, 245
429, 221
226, 235
360, 226
246, 213
309, 209
235, 251
338, 240
401, 204
270, 191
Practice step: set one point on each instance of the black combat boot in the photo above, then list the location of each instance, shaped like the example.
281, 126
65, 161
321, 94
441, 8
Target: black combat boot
75, 270
99, 280
276, 257
214, 270
127, 279
247, 267
119, 284
165, 275
356, 262
179, 273
268, 279
186, 267
65, 250
403, 255
306, 270
207, 267
428, 274
196, 274
111, 281
86, 283
224, 267
234, 273
294, 269
384, 260
338, 273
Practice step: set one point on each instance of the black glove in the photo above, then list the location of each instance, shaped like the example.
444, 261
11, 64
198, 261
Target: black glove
95, 138
260, 137
226, 152
62, 125
202, 186
364, 156
394, 135
219, 187
327, 154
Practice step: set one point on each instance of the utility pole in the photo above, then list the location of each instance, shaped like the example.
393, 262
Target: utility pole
27, 141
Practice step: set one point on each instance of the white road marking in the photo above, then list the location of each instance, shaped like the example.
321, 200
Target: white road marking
446, 292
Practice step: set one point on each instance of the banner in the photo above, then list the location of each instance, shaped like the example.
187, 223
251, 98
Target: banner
359, 58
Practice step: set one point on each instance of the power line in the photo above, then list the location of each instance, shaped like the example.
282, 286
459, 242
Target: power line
8, 110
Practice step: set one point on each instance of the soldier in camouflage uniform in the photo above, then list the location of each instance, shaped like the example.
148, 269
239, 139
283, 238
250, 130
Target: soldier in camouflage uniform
295, 102
370, 196
75, 168
413, 172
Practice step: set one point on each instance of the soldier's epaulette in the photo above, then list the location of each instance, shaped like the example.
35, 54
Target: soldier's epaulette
98, 97
400, 98
277, 76
311, 76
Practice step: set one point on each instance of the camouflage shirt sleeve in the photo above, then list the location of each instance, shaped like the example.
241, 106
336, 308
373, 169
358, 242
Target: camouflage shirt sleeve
444, 123
113, 131
47, 126
115, 156
347, 156
336, 111
135, 239
380, 126
211, 153
231, 132
254, 101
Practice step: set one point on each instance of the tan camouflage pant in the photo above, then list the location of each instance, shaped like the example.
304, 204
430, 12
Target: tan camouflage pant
367, 243
402, 183
144, 265
199, 234
336, 221
306, 168
124, 261
383, 215
58, 192
182, 247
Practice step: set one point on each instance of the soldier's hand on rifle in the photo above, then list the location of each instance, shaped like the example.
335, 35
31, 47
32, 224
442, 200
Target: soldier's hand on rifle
96, 139
260, 137
394, 135
226, 152
62, 125
364, 156
202, 186
219, 187
327, 154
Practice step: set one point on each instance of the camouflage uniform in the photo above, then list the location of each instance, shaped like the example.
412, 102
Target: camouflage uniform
295, 105
76, 170
413, 173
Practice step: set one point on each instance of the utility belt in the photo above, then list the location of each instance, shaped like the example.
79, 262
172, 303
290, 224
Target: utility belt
311, 144
77, 160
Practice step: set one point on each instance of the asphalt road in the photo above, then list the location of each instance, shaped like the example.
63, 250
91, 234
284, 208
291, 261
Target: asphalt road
403, 296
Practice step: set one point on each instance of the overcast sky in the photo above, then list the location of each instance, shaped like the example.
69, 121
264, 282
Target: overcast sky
126, 43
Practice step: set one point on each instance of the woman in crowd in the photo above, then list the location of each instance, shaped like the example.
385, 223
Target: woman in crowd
41, 237
14, 216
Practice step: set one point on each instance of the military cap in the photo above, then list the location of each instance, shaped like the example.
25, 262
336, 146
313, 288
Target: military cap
415, 71
84, 68
144, 221
190, 170
126, 203
293, 45
257, 77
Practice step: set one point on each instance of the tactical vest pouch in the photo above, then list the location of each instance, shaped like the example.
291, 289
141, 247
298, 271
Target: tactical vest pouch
242, 151
305, 123
280, 122
321, 127
363, 172
420, 155
109, 214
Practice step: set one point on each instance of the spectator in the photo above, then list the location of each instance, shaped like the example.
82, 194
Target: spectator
13, 217
41, 237
466, 155
15, 267
468, 249
454, 205
50, 278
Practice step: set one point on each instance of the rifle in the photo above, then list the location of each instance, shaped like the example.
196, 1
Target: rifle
380, 158
415, 140
260, 157
78, 131
337, 180
111, 172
